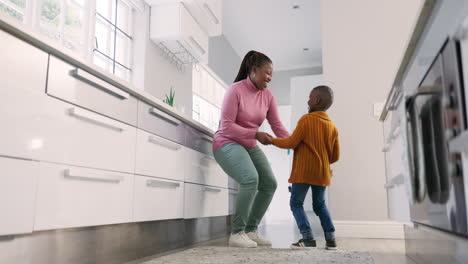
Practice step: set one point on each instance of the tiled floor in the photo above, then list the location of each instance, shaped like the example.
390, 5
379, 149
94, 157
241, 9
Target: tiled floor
384, 251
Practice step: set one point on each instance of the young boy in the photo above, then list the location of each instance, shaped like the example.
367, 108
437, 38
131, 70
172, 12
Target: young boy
315, 144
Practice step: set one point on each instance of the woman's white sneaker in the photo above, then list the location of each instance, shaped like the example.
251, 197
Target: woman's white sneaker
241, 240
255, 236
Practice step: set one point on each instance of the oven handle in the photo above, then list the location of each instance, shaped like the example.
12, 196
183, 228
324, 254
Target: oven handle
416, 158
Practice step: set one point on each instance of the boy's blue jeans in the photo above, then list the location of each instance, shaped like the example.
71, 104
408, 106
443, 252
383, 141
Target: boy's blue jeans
298, 194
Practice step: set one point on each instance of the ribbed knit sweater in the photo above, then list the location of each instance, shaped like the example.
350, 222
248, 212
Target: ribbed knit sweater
316, 146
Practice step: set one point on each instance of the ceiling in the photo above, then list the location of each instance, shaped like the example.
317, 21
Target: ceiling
276, 29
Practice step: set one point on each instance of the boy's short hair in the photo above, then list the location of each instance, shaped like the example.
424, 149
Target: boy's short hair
326, 95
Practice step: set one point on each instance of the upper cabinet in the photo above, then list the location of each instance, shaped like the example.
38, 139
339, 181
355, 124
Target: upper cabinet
173, 27
208, 13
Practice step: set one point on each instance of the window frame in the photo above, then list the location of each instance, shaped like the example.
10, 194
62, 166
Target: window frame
210, 102
112, 61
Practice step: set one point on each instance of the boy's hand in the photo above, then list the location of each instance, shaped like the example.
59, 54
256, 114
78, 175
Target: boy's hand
264, 138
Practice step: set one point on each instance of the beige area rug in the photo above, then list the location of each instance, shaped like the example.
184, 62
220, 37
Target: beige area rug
226, 255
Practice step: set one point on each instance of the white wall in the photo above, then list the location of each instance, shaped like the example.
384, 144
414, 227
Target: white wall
154, 73
281, 162
280, 84
363, 43
223, 59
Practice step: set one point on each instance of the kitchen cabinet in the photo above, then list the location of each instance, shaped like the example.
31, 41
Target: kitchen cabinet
157, 199
17, 195
203, 169
158, 157
159, 123
78, 87
174, 26
205, 201
23, 73
69, 196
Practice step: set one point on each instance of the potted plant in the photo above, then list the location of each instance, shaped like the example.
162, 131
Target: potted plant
170, 98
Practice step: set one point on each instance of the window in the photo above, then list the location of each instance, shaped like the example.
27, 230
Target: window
14, 8
63, 20
113, 35
98, 30
208, 94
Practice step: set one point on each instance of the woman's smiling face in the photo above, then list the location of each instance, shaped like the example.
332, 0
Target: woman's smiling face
262, 76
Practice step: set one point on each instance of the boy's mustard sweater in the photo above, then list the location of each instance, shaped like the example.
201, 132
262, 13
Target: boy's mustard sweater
316, 146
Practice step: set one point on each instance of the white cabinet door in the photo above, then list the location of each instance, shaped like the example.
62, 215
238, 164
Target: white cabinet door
79, 87
205, 201
74, 197
158, 157
203, 169
23, 71
173, 25
211, 10
157, 199
71, 135
232, 201
17, 193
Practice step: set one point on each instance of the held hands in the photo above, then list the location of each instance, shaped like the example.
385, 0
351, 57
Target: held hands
264, 138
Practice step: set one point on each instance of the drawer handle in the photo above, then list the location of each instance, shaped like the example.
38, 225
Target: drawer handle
86, 116
201, 166
210, 158
208, 139
110, 178
197, 45
164, 116
156, 183
211, 13
98, 83
211, 189
163, 142
232, 192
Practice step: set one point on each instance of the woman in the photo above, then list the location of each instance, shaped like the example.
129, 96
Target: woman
246, 105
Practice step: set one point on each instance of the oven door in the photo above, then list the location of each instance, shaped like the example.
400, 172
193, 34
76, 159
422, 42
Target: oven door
432, 120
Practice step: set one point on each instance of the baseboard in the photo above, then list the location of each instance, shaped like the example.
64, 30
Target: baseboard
369, 229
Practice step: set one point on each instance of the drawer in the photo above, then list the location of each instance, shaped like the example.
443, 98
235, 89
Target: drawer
17, 195
81, 88
158, 157
232, 184
205, 201
203, 169
198, 141
71, 135
157, 122
74, 197
157, 199
232, 201
23, 72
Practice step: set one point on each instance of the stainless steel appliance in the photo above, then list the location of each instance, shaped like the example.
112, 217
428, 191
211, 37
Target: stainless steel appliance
435, 114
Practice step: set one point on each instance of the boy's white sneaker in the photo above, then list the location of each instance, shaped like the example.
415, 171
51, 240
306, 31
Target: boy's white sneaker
255, 236
241, 240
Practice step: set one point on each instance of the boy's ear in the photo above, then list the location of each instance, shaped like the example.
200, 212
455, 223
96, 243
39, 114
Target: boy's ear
318, 100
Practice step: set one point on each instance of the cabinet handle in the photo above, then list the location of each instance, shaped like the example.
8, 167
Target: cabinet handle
163, 142
210, 158
233, 192
110, 178
98, 83
156, 183
201, 167
86, 116
211, 189
211, 13
164, 116
208, 139
197, 45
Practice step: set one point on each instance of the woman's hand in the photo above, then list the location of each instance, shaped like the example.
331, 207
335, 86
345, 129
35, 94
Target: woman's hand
264, 138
